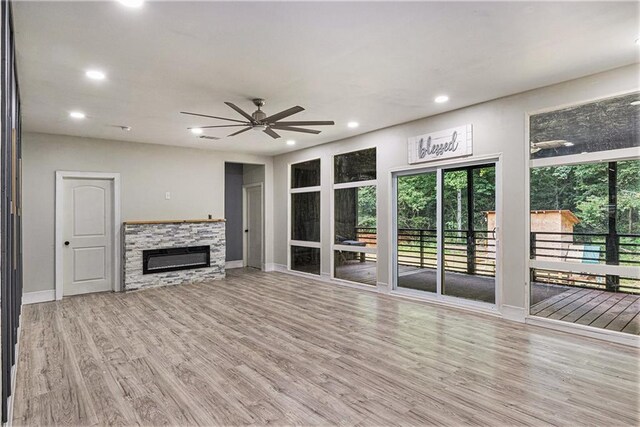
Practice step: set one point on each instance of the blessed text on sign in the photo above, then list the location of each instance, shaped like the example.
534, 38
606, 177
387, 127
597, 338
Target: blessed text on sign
444, 144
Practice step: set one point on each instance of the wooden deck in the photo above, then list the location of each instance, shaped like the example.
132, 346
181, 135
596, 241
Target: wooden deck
601, 309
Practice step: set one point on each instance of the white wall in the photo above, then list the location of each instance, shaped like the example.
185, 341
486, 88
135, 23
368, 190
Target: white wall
498, 129
194, 177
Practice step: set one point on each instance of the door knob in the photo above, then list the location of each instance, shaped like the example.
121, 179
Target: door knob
66, 243
246, 231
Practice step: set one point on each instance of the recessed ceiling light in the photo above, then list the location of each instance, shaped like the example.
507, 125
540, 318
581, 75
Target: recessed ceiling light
635, 103
95, 75
291, 142
196, 131
568, 144
441, 98
131, 3
353, 125
77, 115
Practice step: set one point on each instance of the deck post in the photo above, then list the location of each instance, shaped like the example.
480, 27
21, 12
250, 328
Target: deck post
532, 244
471, 238
421, 248
613, 240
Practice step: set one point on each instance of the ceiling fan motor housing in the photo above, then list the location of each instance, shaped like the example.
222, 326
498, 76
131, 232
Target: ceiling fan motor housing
259, 115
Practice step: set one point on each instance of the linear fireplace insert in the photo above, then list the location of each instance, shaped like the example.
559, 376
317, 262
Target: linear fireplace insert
172, 259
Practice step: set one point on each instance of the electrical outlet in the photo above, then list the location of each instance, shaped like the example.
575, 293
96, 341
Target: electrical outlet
167, 195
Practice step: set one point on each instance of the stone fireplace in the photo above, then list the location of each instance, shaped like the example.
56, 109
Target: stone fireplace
159, 253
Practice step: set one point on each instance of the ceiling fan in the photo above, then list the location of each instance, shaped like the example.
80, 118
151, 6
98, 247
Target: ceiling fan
259, 121
547, 145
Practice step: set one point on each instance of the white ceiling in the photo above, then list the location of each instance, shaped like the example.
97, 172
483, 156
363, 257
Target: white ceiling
377, 63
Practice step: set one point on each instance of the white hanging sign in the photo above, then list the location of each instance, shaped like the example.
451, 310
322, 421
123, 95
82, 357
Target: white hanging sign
444, 144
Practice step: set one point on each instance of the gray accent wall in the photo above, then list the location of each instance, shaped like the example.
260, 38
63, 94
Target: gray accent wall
233, 178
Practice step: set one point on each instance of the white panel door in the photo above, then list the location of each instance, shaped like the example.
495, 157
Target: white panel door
87, 236
254, 226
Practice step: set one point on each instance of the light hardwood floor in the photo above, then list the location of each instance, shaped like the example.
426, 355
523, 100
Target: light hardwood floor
270, 348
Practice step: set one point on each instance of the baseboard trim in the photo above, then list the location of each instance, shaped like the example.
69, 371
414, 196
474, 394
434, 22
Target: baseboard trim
513, 313
38, 297
277, 267
234, 264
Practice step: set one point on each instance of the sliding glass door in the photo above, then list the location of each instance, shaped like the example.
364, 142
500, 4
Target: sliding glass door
416, 243
446, 232
469, 225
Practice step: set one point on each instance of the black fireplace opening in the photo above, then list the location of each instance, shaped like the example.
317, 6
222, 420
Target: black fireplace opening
173, 259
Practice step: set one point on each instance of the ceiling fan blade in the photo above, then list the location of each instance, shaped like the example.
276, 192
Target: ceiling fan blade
240, 131
282, 114
294, 129
240, 111
271, 133
219, 126
306, 123
211, 117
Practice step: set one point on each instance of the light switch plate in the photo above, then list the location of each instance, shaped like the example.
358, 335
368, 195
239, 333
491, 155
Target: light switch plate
167, 195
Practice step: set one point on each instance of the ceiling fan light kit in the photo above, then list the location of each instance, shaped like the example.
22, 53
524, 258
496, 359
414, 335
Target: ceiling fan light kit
260, 122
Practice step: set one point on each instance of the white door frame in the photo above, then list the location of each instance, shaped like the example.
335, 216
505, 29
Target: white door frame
59, 221
245, 223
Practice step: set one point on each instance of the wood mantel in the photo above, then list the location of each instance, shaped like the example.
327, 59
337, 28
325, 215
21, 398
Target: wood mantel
174, 221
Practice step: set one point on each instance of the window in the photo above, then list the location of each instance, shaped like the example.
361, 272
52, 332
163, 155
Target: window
355, 166
585, 215
605, 125
355, 217
355, 214
305, 174
306, 260
304, 235
305, 216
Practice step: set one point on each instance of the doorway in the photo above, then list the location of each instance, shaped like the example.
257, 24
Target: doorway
87, 238
253, 225
244, 214
446, 232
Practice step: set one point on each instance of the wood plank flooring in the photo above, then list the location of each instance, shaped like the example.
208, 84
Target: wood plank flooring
269, 348
608, 310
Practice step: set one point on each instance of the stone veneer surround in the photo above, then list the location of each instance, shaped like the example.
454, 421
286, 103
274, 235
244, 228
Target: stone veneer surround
143, 235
